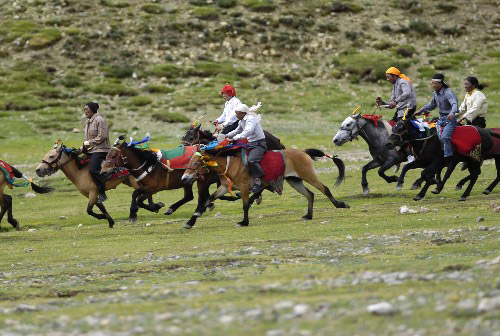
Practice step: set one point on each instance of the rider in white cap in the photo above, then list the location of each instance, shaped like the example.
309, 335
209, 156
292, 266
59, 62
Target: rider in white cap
249, 127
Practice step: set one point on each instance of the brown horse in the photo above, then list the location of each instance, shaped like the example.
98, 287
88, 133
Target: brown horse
153, 177
6, 200
298, 168
60, 157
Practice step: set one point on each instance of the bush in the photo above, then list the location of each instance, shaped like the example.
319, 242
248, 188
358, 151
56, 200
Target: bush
157, 88
45, 38
342, 7
382, 45
71, 81
171, 117
21, 103
328, 27
49, 92
140, 101
405, 50
153, 9
166, 70
116, 4
263, 6
118, 71
113, 89
206, 13
446, 8
421, 27
227, 3
454, 31
450, 61
413, 6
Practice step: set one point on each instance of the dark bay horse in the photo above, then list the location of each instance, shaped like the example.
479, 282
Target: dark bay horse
375, 135
66, 160
6, 200
298, 168
403, 131
154, 177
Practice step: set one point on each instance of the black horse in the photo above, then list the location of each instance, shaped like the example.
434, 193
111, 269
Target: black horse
430, 151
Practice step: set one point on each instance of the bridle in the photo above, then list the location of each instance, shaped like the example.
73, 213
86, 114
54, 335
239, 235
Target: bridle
56, 161
351, 134
400, 135
124, 159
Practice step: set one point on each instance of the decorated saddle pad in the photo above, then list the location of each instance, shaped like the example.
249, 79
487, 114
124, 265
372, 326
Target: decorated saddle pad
8, 172
467, 141
273, 166
117, 173
177, 158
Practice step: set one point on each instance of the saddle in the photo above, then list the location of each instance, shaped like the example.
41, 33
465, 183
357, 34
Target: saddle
466, 141
83, 159
273, 166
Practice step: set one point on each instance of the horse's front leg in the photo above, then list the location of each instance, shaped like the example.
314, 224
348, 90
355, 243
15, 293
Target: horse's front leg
188, 196
150, 207
90, 208
246, 204
447, 174
364, 182
10, 216
428, 175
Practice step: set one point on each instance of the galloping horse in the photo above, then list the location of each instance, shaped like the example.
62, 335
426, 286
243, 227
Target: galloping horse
490, 149
6, 200
298, 168
144, 165
60, 157
375, 134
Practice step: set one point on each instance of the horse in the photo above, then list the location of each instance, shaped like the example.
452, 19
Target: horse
153, 177
6, 200
490, 149
298, 168
66, 160
375, 133
195, 135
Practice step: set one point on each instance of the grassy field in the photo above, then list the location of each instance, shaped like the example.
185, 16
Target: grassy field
155, 66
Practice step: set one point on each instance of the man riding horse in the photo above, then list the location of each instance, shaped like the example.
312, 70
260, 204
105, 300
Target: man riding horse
228, 121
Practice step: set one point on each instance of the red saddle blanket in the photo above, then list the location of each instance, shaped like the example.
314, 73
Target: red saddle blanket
181, 161
118, 173
467, 141
273, 165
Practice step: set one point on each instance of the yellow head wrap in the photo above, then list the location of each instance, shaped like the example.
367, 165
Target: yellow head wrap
395, 71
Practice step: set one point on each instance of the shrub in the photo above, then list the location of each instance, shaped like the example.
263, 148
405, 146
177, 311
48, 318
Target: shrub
157, 88
382, 45
166, 70
342, 7
454, 31
446, 7
405, 50
71, 81
45, 38
171, 117
140, 101
117, 4
113, 89
227, 3
153, 9
206, 13
328, 27
413, 6
421, 27
49, 92
118, 71
21, 102
263, 6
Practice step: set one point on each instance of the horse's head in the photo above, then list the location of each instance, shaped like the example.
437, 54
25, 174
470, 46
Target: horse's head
349, 129
198, 166
114, 157
399, 135
191, 135
53, 160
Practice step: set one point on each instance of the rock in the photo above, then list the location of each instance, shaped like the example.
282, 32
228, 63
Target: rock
218, 215
254, 313
406, 210
138, 282
275, 332
250, 56
283, 305
30, 195
423, 209
147, 224
80, 225
483, 228
467, 304
31, 230
63, 217
480, 219
349, 237
366, 250
22, 308
28, 250
300, 309
226, 319
488, 304
493, 206
381, 308
76, 130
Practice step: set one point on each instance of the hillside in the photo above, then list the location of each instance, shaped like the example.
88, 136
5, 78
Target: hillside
153, 63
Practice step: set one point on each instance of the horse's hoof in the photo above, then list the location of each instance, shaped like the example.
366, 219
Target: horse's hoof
417, 198
399, 187
486, 191
462, 198
132, 219
259, 200
414, 187
366, 191
306, 217
241, 224
458, 187
169, 211
211, 206
111, 224
436, 191
187, 226
345, 205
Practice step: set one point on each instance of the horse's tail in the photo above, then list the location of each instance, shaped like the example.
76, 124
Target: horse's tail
316, 153
36, 188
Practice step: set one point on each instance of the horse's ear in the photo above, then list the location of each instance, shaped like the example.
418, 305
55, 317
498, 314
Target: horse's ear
197, 128
117, 141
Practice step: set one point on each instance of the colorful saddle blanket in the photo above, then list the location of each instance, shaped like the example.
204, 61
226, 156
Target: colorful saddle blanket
467, 141
176, 158
273, 166
8, 172
117, 173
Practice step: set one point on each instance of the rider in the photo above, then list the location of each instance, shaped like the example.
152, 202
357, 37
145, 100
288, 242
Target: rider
443, 98
474, 107
97, 145
227, 120
403, 94
249, 127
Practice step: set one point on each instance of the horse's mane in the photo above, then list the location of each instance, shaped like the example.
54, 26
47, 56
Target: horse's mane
144, 154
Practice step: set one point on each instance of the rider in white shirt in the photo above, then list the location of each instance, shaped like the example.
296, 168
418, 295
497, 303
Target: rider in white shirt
228, 120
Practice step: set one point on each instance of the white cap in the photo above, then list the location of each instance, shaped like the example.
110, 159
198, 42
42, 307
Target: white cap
242, 108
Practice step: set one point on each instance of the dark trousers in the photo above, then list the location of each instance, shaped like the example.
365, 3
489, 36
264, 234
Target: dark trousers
257, 150
408, 115
230, 127
95, 170
478, 121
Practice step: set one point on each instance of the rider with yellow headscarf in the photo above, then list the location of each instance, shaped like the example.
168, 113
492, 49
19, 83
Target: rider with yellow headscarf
403, 94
